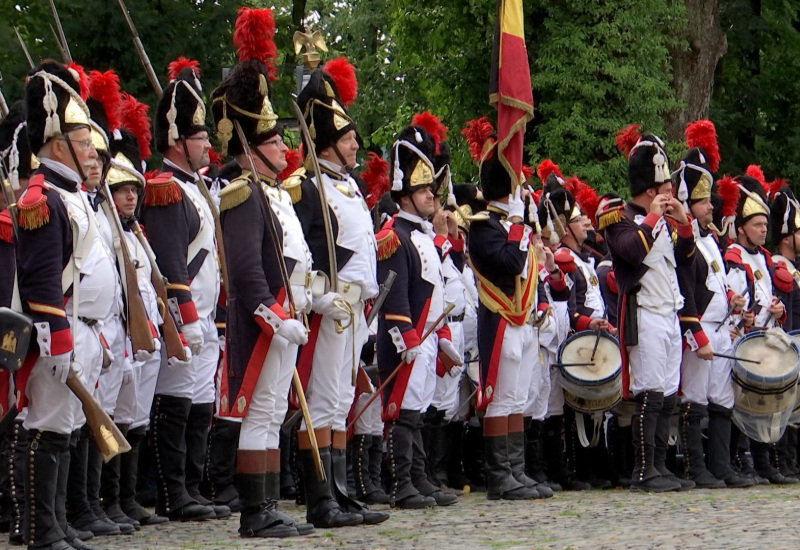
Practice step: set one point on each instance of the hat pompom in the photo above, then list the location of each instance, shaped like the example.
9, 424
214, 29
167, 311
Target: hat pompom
477, 133
586, 197
547, 167
627, 138
433, 125
728, 190
104, 87
755, 172
376, 176
775, 187
702, 134
254, 38
133, 116
344, 77
175, 67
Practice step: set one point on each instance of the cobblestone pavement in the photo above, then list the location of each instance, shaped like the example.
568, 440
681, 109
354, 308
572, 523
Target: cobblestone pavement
728, 519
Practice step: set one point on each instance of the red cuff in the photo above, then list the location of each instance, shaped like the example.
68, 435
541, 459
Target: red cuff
542, 306
701, 338
279, 311
444, 333
730, 294
684, 230
439, 241
153, 332
458, 244
611, 281
188, 312
411, 338
557, 284
516, 233
60, 342
651, 219
583, 322
440, 370
783, 317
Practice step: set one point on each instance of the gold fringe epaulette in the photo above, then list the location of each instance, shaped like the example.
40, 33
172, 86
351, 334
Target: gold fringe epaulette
234, 194
388, 243
292, 184
609, 218
6, 228
479, 217
162, 191
32, 209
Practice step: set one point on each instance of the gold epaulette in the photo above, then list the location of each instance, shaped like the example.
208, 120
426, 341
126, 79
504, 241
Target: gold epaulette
162, 190
388, 243
292, 183
609, 217
479, 217
234, 194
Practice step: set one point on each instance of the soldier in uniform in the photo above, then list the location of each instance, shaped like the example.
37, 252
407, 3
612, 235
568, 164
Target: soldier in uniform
640, 240
338, 331
413, 306
263, 332
705, 379
180, 226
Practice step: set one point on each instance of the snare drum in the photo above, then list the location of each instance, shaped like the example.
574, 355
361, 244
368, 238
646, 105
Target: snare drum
591, 388
794, 418
764, 392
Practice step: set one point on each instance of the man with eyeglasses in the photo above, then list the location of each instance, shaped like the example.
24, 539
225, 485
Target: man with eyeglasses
180, 226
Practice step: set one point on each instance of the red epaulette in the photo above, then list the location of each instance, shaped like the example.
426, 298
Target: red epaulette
782, 279
32, 209
162, 190
767, 256
734, 255
6, 228
388, 242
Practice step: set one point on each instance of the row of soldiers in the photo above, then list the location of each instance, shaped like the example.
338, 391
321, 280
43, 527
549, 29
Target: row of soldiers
271, 277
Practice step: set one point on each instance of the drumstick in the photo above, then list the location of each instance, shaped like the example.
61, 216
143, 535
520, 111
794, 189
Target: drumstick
597, 340
562, 365
726, 356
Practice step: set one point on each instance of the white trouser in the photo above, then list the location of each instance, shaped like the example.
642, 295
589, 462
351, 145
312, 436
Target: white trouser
146, 388
261, 425
655, 363
709, 381
539, 389
110, 382
126, 401
519, 351
422, 382
370, 422
555, 401
445, 396
330, 391
195, 380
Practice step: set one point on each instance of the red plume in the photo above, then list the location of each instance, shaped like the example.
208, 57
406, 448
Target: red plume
83, 79
174, 68
627, 138
344, 77
586, 197
702, 134
214, 157
376, 176
729, 192
547, 167
433, 126
133, 116
527, 173
104, 87
755, 172
774, 187
150, 174
293, 162
477, 132
537, 196
254, 38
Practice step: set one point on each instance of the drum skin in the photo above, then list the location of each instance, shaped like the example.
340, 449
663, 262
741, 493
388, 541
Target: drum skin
592, 388
767, 388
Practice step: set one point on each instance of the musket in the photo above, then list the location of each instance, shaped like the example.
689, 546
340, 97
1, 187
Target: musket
137, 42
169, 330
62, 51
24, 48
385, 288
3, 104
287, 284
63, 39
396, 370
730, 311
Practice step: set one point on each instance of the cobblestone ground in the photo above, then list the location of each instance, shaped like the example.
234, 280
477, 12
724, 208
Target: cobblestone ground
728, 519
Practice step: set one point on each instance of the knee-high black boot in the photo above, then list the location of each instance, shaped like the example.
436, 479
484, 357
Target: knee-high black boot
694, 464
43, 529
719, 456
222, 444
646, 477
17, 464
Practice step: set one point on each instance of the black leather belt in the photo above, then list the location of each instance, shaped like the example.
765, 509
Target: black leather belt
87, 321
455, 318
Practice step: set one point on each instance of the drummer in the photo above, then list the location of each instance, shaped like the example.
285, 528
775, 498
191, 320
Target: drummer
562, 220
751, 274
705, 322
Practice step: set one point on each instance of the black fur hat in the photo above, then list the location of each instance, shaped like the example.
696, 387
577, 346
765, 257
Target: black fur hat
15, 151
180, 112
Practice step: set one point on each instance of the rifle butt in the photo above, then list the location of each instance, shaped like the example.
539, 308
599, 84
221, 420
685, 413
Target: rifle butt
109, 440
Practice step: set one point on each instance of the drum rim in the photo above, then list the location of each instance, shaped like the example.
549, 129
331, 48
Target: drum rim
783, 379
581, 381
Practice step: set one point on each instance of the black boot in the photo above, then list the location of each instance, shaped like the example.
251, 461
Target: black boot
338, 480
553, 451
129, 470
516, 456
19, 453
198, 425
222, 444
42, 474
375, 454
761, 453
109, 487
272, 491
474, 449
646, 477
359, 455
322, 509
662, 442
620, 452
94, 483
420, 471
719, 457
400, 457
584, 461
288, 489
534, 456
694, 464
781, 457
168, 421
454, 463
500, 481
6, 508
432, 422
71, 536
259, 517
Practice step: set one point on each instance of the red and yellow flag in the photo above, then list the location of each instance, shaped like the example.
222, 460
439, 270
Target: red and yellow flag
510, 86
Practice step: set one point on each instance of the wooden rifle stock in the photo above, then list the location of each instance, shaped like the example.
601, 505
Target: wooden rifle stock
169, 330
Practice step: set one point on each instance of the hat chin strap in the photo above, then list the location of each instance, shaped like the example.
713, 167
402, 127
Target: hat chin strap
340, 156
74, 156
265, 160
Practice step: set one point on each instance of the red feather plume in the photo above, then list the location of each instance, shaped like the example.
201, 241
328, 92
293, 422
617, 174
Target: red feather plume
477, 132
729, 192
150, 174
214, 157
702, 134
133, 117
175, 67
775, 187
432, 125
547, 167
586, 197
527, 173
344, 77
104, 87
254, 38
293, 162
537, 196
83, 79
627, 138
755, 172
376, 176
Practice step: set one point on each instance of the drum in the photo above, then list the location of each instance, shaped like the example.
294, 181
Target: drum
591, 388
794, 418
764, 385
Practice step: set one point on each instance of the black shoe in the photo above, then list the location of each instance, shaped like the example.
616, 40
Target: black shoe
685, 484
78, 544
96, 526
338, 481
414, 502
735, 481
220, 510
192, 512
42, 488
223, 441
322, 508
443, 499
780, 479
115, 514
657, 484
572, 483
198, 424
168, 424
520, 493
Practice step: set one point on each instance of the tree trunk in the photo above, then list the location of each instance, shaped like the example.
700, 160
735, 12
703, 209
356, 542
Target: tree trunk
298, 13
693, 68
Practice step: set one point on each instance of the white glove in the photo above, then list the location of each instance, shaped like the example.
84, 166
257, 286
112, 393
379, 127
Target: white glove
127, 374
516, 206
325, 305
174, 362
157, 344
450, 350
58, 365
110, 355
193, 335
294, 331
409, 355
143, 355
